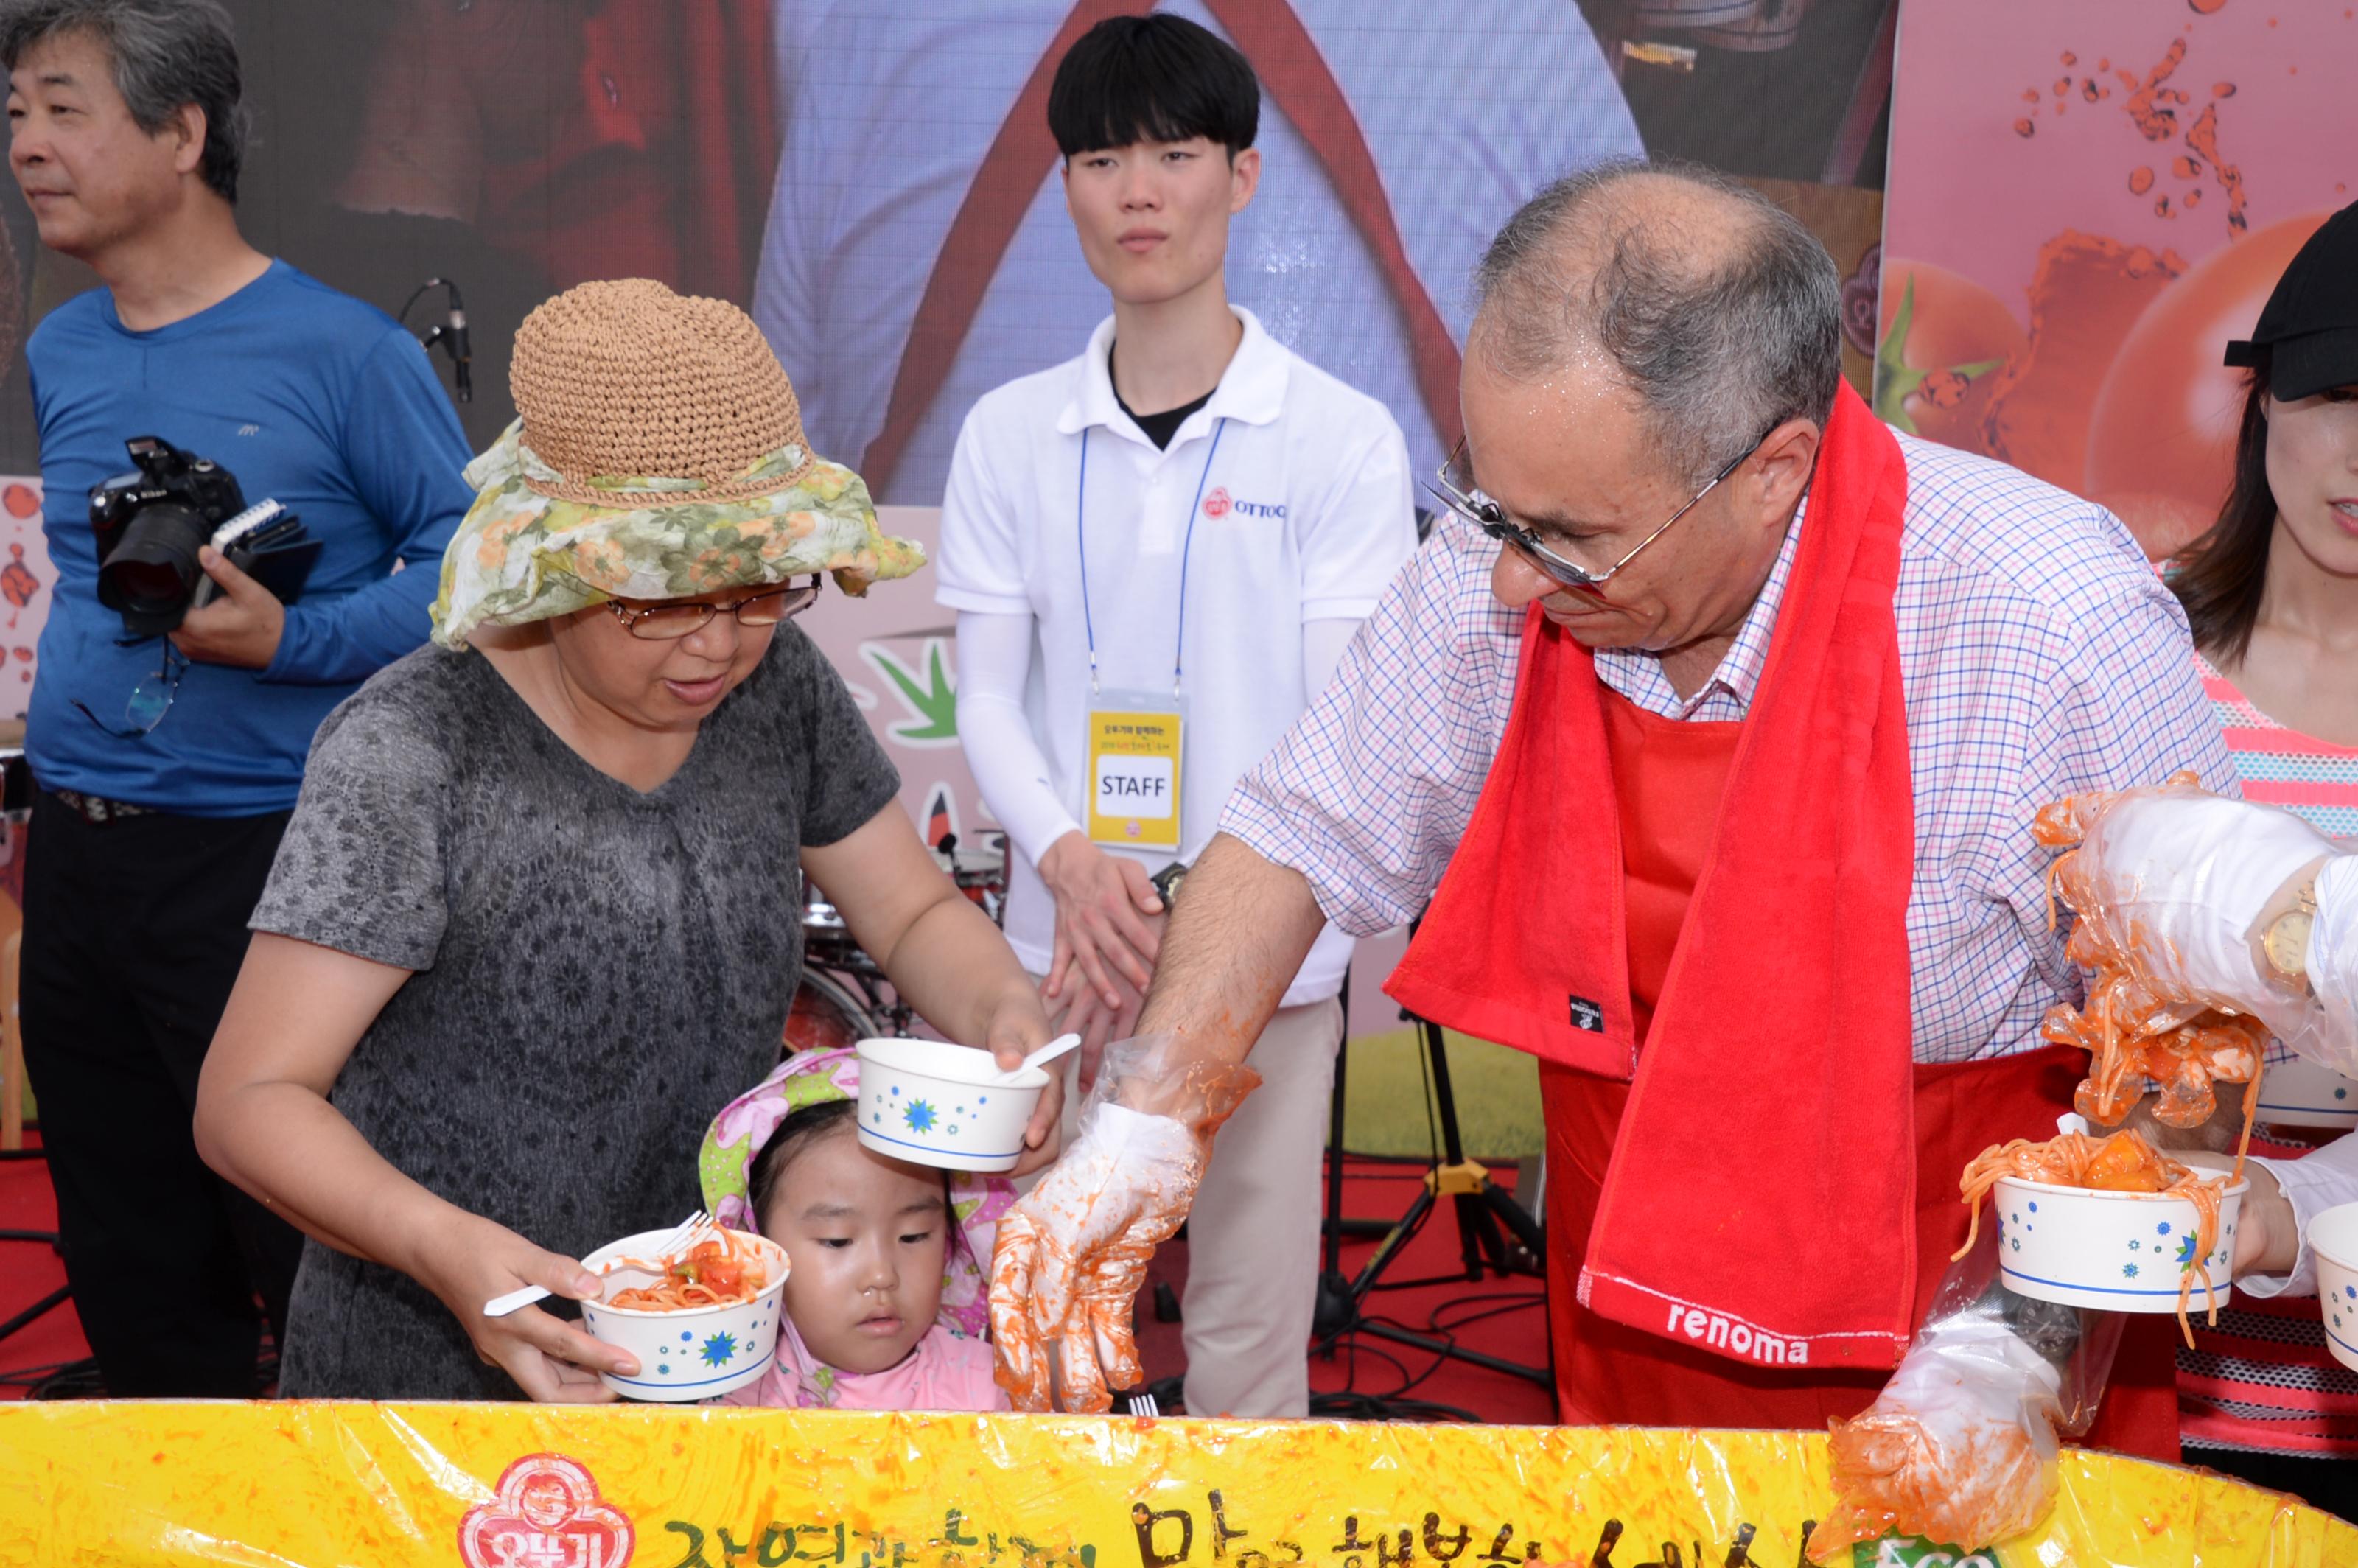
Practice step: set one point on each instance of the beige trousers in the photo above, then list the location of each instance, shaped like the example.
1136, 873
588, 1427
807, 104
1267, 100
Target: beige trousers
1252, 1236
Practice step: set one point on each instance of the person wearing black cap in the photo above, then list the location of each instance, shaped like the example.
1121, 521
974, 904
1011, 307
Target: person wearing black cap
2271, 592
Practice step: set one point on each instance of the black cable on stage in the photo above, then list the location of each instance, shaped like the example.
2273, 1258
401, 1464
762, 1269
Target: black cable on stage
1504, 1303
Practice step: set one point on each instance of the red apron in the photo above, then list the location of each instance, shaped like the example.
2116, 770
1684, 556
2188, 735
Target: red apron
1669, 777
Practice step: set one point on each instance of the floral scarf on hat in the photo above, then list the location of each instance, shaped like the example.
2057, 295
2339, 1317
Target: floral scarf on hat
521, 555
743, 1127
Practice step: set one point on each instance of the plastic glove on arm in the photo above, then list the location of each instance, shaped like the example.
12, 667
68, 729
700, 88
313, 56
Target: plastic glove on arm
1071, 1257
2175, 891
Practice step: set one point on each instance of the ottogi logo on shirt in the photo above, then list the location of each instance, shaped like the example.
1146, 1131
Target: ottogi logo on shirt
1219, 504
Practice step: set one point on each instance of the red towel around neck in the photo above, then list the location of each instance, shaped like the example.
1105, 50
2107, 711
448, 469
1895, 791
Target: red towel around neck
1764, 1176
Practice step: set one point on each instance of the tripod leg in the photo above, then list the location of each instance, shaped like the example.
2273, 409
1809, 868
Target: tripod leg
1545, 1378
1517, 1218
1334, 1225
54, 1299
1374, 1268
1474, 1217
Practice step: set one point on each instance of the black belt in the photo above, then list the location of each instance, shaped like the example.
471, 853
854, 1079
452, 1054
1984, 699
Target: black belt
98, 812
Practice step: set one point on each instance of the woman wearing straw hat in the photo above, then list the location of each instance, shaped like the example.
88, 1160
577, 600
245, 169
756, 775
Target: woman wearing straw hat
537, 915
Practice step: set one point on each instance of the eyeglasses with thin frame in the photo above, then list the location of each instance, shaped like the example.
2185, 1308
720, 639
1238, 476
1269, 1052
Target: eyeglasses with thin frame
150, 699
669, 622
1454, 487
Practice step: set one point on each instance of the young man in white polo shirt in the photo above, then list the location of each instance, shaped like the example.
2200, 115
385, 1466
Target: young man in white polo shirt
1157, 552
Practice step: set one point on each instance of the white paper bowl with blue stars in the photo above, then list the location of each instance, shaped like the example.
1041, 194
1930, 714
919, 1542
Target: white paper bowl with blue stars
2333, 1239
2119, 1251
2299, 1093
694, 1353
934, 1103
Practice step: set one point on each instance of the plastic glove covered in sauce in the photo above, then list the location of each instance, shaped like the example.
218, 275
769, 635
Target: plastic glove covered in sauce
1071, 1257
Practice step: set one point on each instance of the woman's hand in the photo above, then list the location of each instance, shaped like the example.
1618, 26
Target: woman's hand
553, 1361
941, 953
1103, 902
1017, 1027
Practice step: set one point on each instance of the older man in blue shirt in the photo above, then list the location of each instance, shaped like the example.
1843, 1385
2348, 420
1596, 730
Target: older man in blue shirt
157, 819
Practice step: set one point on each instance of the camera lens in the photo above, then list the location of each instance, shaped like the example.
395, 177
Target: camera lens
153, 568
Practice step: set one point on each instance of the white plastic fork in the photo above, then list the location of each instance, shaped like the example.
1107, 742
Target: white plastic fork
1145, 1405
500, 1306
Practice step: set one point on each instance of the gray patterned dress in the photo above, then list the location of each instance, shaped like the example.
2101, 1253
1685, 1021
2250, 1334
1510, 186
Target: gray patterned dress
597, 970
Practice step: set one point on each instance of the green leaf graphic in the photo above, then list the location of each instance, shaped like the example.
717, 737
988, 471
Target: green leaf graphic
931, 702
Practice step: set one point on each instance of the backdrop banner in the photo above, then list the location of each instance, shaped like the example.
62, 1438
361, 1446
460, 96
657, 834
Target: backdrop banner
538, 1487
2087, 201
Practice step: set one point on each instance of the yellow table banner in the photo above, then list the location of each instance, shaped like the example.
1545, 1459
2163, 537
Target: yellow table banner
523, 1486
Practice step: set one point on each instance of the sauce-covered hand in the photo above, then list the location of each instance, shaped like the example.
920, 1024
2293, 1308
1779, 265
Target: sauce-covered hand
1072, 1255
2182, 880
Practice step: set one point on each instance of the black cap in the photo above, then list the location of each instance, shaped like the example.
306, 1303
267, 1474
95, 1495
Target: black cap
2308, 334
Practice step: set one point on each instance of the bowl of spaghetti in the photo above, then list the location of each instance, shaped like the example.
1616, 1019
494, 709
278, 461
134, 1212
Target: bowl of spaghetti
702, 1321
2108, 1222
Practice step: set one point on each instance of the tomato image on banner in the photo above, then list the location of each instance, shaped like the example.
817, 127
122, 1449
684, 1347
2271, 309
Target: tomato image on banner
2130, 213
1941, 340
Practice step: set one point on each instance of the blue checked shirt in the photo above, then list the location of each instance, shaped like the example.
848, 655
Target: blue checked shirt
2041, 656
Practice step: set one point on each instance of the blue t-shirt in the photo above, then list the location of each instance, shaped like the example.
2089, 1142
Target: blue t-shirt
311, 398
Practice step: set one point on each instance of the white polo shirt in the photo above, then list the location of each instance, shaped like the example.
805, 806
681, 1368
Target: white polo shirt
1305, 514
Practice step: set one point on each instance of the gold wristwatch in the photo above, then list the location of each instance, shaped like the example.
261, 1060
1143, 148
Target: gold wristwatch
2286, 941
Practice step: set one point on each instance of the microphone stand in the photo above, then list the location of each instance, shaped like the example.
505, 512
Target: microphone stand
451, 332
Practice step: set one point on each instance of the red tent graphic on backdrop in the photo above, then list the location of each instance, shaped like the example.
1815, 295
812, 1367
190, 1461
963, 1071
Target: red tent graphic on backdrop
547, 1515
1295, 76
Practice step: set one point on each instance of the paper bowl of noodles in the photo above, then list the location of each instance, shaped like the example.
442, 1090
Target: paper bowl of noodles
2333, 1239
2122, 1251
708, 1326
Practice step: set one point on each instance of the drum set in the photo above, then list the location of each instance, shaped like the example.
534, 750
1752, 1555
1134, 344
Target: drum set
845, 996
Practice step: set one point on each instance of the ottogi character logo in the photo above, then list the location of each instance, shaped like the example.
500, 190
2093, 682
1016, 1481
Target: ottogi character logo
547, 1515
1219, 504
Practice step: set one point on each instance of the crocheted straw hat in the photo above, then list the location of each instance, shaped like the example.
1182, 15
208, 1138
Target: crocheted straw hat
626, 377
660, 455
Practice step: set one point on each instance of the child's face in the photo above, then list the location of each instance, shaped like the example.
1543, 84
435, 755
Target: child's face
1153, 217
867, 1237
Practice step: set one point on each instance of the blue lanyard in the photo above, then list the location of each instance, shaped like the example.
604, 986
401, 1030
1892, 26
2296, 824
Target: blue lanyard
1187, 551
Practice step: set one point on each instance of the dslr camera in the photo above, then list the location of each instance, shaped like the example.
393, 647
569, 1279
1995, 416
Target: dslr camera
151, 523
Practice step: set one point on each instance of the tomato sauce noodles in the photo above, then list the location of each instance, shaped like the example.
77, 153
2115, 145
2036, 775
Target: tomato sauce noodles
2123, 1162
726, 1270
